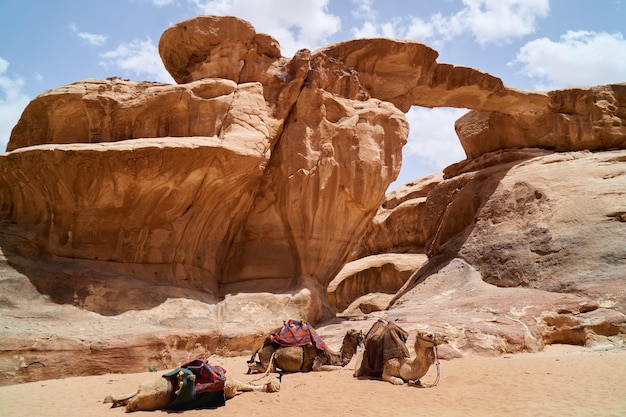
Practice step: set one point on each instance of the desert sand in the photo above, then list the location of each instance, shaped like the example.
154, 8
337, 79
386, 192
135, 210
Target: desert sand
559, 381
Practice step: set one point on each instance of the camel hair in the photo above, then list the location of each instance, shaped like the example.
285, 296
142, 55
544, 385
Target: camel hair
410, 370
156, 394
289, 359
401, 370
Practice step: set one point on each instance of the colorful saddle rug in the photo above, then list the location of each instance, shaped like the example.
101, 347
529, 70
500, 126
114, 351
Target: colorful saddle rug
297, 333
197, 384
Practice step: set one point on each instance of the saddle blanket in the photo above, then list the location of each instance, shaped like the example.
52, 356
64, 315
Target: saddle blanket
297, 333
198, 385
384, 341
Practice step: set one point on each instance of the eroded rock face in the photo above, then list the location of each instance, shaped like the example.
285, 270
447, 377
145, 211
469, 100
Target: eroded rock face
591, 118
555, 223
306, 187
525, 249
257, 173
95, 111
398, 226
380, 274
406, 74
216, 47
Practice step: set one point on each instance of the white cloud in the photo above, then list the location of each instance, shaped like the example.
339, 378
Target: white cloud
577, 58
12, 103
432, 138
487, 21
497, 21
367, 30
161, 3
294, 24
363, 9
420, 29
140, 58
91, 38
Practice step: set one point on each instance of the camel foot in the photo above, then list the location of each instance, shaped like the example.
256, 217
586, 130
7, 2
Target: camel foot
273, 385
416, 383
394, 380
256, 367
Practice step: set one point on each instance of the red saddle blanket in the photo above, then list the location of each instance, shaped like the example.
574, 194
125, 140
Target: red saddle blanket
198, 385
297, 333
209, 378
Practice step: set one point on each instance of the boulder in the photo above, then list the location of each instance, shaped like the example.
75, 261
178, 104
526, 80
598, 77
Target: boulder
379, 274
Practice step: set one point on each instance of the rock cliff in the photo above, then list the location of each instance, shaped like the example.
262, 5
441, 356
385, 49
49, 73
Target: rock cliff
145, 222
524, 249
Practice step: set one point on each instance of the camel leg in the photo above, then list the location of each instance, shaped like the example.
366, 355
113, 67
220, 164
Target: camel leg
319, 364
357, 364
393, 379
253, 364
265, 362
326, 368
390, 369
233, 387
151, 395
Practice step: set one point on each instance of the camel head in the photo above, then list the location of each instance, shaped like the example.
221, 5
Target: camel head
354, 337
429, 339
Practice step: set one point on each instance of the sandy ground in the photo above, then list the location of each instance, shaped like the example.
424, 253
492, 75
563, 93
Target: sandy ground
560, 381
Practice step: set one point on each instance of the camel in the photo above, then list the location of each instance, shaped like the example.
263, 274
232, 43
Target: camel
398, 367
289, 359
158, 393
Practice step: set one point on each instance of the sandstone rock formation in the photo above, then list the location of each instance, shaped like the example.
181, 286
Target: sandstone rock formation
575, 119
278, 176
163, 220
525, 249
384, 273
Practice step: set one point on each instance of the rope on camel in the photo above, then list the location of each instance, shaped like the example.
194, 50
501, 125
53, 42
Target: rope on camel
267, 371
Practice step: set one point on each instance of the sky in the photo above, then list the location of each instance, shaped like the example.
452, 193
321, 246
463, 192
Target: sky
529, 44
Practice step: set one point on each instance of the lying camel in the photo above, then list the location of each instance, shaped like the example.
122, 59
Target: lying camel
273, 356
386, 355
158, 393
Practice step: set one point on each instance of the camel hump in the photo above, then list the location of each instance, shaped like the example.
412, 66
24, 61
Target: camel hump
384, 340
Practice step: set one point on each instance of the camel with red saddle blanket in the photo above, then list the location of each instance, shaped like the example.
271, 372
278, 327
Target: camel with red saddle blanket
296, 347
